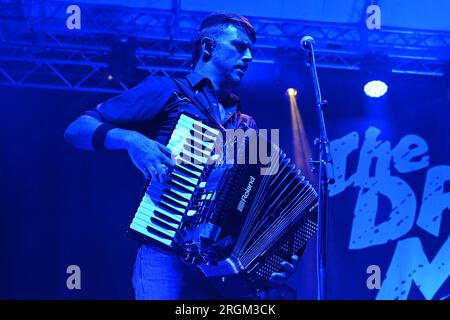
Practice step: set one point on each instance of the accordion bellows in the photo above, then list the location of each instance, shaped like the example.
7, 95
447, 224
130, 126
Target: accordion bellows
234, 223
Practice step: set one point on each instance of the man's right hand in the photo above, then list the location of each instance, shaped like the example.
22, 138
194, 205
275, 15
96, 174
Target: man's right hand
150, 157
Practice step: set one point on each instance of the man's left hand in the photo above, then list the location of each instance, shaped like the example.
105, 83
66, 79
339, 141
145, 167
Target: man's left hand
277, 278
277, 289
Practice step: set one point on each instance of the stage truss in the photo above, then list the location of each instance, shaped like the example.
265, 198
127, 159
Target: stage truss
38, 50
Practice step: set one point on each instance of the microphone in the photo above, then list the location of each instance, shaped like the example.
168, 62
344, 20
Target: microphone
307, 42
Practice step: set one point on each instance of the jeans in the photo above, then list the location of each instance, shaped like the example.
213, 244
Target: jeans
161, 276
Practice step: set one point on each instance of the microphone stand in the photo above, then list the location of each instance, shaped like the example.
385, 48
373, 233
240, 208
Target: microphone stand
326, 177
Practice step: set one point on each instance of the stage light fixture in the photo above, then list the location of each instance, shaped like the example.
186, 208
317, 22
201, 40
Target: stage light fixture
122, 61
375, 88
291, 92
376, 72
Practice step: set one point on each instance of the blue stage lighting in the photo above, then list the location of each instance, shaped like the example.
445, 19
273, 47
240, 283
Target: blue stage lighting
376, 70
375, 88
291, 92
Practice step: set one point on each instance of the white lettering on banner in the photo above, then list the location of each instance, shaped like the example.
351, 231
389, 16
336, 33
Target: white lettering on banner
374, 178
434, 201
364, 231
403, 270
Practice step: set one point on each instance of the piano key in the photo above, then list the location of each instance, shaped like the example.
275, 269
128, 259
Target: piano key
159, 188
143, 230
178, 149
193, 122
179, 181
173, 211
190, 141
181, 203
180, 161
186, 172
190, 131
149, 216
193, 158
198, 127
186, 119
197, 149
182, 132
186, 139
171, 206
189, 171
154, 229
192, 181
165, 223
182, 186
140, 221
180, 190
178, 194
169, 217
149, 208
173, 202
174, 190
187, 156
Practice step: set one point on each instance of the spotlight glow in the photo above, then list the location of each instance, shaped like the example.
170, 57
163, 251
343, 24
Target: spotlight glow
302, 149
375, 88
291, 92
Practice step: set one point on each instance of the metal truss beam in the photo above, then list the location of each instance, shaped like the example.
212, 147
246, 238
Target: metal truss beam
38, 50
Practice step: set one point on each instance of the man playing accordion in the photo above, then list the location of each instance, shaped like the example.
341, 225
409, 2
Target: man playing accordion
140, 121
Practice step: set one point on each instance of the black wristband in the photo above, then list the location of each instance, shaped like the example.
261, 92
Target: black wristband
99, 136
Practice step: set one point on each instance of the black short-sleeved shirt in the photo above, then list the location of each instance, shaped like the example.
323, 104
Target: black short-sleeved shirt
153, 106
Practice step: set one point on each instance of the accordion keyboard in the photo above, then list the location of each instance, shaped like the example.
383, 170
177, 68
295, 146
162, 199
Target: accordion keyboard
163, 205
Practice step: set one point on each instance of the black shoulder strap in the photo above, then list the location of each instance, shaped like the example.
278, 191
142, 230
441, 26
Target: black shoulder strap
189, 93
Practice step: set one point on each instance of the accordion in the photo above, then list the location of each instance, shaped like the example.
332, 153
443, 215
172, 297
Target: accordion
234, 223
